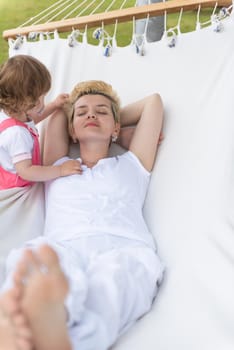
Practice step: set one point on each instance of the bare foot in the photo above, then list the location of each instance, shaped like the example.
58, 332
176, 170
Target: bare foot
44, 292
14, 331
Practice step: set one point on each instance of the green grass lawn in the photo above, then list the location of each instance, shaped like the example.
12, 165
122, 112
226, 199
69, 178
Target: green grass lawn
15, 12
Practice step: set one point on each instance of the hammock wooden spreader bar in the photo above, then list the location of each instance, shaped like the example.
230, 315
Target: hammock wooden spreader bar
121, 15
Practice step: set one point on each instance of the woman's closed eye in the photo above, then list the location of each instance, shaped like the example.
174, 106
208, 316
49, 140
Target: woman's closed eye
83, 113
80, 114
102, 112
99, 111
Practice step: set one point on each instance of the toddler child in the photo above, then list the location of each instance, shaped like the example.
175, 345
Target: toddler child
24, 82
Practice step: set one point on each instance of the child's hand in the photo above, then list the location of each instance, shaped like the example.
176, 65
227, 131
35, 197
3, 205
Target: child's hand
60, 100
70, 167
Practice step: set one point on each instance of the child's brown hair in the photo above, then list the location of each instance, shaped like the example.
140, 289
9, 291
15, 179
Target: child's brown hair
23, 79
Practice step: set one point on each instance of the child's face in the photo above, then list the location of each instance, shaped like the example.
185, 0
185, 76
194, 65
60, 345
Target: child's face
37, 109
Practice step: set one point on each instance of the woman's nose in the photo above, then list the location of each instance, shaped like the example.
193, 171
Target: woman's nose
92, 115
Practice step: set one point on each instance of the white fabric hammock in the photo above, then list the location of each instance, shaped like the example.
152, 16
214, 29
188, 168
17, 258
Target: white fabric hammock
190, 203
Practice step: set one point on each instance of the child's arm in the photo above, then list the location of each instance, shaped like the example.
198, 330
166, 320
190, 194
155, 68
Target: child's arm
38, 173
51, 107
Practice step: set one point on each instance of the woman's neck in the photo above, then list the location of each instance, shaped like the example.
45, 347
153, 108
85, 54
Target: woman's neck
91, 155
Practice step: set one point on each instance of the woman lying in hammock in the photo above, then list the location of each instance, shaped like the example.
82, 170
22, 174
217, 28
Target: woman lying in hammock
97, 256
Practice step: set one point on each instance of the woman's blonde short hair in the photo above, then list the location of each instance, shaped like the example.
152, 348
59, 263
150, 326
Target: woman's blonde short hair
92, 87
23, 79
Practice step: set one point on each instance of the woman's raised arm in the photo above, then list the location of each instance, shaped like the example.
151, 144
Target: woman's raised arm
147, 114
56, 142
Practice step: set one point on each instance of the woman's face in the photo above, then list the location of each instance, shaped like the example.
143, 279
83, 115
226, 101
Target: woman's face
93, 119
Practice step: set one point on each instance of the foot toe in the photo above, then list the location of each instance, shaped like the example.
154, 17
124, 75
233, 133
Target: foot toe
48, 257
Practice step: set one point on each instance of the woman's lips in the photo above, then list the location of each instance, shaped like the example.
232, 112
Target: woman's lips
91, 124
